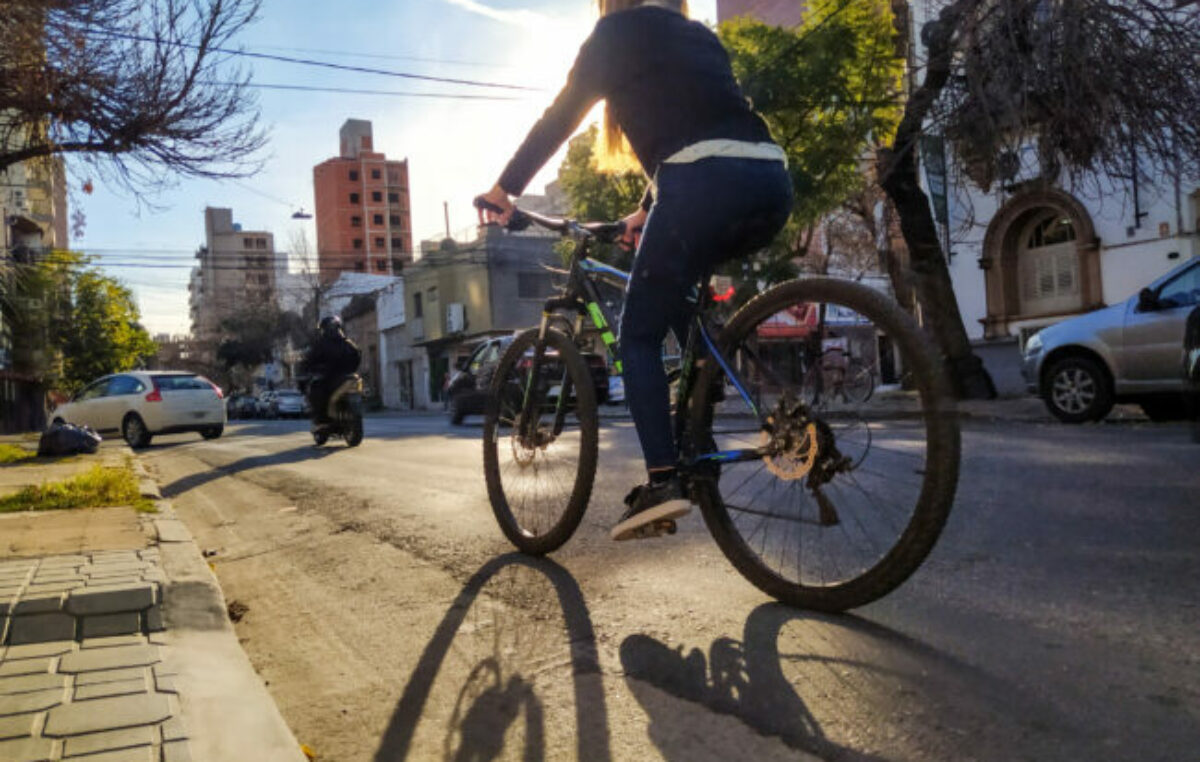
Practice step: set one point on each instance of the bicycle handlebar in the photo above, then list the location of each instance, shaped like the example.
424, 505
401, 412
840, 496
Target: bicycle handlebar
605, 232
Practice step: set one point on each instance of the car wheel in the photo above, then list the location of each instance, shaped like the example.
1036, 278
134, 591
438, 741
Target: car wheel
1166, 407
456, 410
135, 432
212, 432
1077, 389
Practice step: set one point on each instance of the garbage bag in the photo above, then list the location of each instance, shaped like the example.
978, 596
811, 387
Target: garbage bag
68, 439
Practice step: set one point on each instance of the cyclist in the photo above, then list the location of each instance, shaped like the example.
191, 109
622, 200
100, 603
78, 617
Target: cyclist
331, 358
719, 189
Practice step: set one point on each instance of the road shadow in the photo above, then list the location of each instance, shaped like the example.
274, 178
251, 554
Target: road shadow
215, 472
507, 649
746, 680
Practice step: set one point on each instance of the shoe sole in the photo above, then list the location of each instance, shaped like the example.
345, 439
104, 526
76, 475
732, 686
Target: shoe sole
672, 509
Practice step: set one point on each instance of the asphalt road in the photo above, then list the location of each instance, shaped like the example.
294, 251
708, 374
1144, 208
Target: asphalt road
1057, 619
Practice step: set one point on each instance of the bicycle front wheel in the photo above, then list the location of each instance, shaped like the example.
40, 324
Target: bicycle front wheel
826, 500
540, 465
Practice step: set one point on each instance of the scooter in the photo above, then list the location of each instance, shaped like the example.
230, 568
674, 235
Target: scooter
345, 413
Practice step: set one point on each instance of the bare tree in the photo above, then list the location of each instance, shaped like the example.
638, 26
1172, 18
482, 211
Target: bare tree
1091, 83
141, 89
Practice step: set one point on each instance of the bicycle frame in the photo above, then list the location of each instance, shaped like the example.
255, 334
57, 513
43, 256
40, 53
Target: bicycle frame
582, 297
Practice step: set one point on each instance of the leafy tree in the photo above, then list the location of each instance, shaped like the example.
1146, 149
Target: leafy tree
103, 333
140, 89
826, 89
596, 195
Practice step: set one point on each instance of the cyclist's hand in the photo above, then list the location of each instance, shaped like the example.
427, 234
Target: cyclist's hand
497, 197
633, 230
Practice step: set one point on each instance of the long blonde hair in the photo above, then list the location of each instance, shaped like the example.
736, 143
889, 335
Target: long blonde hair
613, 153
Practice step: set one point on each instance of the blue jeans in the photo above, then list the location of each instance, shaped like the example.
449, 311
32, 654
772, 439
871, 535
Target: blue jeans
704, 214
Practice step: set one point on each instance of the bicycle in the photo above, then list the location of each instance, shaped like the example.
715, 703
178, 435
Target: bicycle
795, 498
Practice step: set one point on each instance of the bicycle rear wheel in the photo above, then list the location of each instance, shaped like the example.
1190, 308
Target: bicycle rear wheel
849, 495
539, 476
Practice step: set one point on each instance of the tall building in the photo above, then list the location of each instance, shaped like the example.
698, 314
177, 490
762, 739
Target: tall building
236, 271
778, 12
364, 220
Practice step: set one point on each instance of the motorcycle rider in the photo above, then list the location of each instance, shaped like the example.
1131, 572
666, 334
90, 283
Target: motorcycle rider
328, 360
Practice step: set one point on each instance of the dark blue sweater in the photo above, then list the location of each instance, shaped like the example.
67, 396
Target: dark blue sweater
667, 80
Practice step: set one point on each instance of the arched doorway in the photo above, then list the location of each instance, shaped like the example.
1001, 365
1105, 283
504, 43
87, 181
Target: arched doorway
1041, 260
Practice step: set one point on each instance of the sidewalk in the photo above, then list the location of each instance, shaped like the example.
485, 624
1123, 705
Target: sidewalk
114, 638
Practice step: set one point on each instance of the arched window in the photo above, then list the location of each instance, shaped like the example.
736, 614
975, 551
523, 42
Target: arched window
1049, 265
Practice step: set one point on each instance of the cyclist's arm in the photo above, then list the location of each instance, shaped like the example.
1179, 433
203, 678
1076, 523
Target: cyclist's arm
582, 91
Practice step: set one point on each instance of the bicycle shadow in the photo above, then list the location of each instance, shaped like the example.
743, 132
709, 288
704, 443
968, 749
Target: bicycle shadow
746, 680
499, 699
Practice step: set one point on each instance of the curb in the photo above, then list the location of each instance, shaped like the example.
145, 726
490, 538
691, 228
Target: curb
228, 709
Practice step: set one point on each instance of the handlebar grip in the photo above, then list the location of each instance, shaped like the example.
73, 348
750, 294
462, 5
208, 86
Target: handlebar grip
482, 203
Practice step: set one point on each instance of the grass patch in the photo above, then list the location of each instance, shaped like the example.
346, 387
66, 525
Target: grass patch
11, 453
98, 487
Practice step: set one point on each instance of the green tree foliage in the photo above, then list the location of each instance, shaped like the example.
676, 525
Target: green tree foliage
827, 89
596, 195
104, 333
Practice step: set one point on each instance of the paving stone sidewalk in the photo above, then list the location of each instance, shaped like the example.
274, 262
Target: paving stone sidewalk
123, 654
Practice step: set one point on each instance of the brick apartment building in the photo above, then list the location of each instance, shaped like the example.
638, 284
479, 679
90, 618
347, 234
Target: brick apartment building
364, 219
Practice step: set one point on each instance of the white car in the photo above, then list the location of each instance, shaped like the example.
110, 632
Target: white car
142, 404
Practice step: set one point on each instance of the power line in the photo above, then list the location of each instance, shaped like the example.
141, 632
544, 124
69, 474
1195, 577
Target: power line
387, 57
356, 91
312, 62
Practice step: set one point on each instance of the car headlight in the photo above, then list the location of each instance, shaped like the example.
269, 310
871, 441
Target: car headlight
1034, 345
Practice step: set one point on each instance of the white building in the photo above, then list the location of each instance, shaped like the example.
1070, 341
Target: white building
1033, 250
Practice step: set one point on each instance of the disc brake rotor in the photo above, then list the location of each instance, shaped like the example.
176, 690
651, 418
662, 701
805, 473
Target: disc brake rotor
797, 457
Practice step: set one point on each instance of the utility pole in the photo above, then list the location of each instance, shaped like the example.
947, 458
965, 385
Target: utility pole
446, 211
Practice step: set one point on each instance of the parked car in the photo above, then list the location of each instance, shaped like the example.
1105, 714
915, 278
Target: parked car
241, 406
1191, 369
1128, 352
143, 404
263, 404
467, 390
288, 403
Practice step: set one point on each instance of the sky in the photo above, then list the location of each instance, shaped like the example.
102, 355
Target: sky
456, 148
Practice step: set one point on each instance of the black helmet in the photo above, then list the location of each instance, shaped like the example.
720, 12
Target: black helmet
331, 325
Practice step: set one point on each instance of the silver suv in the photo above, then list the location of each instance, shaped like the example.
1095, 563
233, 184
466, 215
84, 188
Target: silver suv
1129, 352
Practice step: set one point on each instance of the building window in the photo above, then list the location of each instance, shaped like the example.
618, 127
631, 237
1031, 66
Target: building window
380, 243
417, 310
353, 198
381, 265
378, 219
534, 285
393, 177
356, 221
393, 198
358, 266
397, 244
431, 294
358, 243
354, 175
247, 243
394, 220
376, 196
260, 243
1049, 266
375, 175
